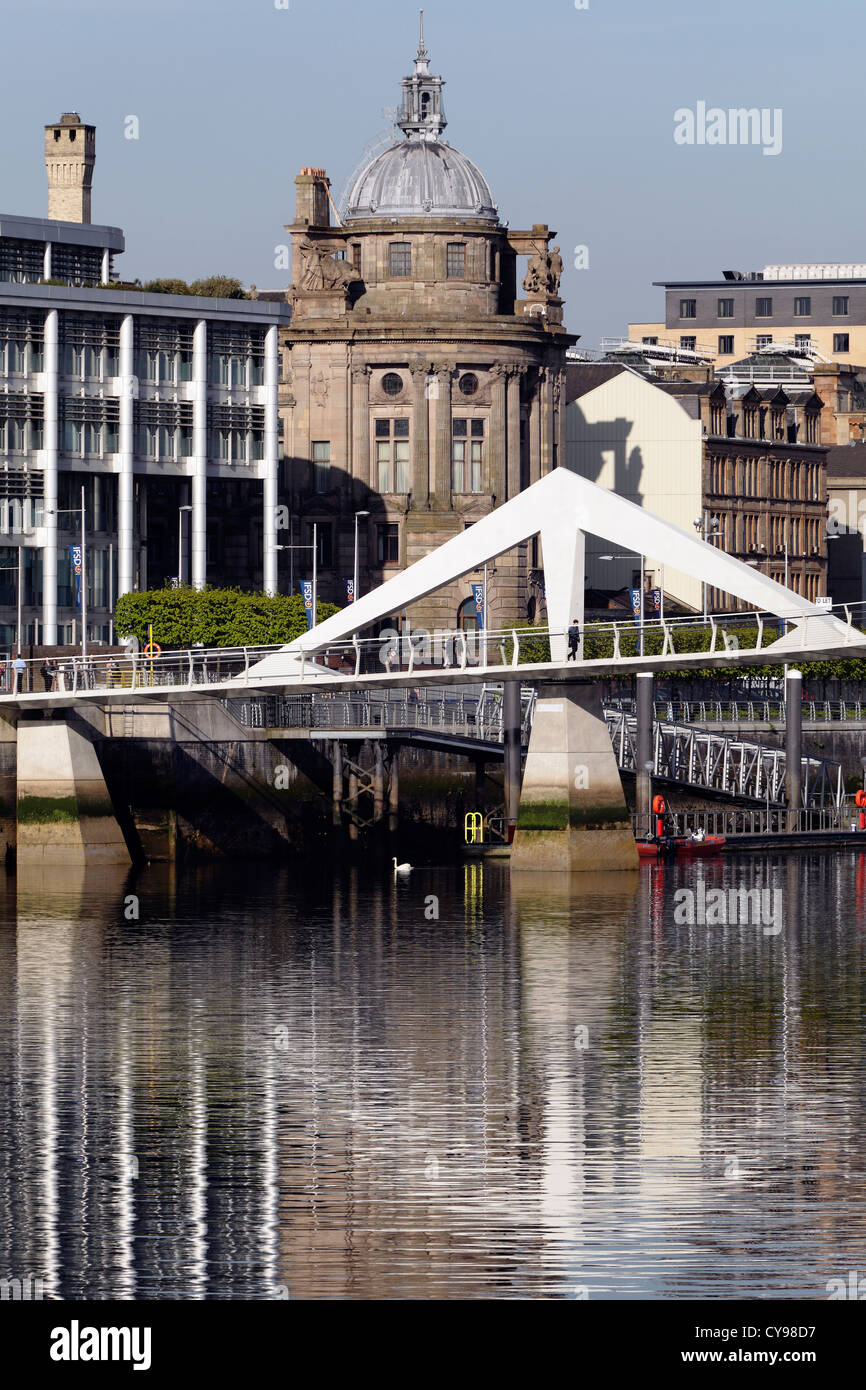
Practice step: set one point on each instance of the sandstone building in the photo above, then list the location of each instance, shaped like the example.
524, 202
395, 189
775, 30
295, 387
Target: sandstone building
423, 370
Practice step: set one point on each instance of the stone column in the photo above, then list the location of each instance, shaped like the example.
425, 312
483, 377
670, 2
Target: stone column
271, 462
126, 450
361, 430
559, 425
535, 430
545, 391
199, 457
50, 445
442, 456
496, 481
420, 481
514, 378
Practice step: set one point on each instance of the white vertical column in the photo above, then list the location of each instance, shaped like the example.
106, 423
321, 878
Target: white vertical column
46, 261
198, 541
125, 511
106, 265
271, 468
50, 444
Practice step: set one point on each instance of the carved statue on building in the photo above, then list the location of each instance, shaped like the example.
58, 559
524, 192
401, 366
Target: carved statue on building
545, 273
555, 272
538, 274
321, 271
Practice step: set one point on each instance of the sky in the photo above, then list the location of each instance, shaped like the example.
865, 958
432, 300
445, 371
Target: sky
569, 112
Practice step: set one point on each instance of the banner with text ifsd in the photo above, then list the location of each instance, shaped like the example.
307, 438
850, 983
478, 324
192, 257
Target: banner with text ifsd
307, 591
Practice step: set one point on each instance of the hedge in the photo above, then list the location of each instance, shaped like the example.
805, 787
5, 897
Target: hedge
215, 617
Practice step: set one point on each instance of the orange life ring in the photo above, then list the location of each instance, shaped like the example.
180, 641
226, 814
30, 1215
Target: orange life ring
659, 805
860, 798
153, 649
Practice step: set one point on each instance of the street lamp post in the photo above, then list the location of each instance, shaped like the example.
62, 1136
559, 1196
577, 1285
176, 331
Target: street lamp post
315, 549
707, 530
358, 515
74, 511
642, 586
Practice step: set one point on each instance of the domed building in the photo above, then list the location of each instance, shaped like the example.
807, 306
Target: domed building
417, 386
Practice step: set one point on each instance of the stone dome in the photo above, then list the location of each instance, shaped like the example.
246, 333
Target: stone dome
421, 178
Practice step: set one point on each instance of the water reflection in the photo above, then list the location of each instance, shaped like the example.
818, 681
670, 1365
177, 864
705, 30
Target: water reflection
452, 1085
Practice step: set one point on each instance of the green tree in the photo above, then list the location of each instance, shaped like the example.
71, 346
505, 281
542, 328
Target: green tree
166, 287
218, 287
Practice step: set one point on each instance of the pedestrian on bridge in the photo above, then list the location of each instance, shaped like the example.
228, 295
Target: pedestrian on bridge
19, 666
573, 639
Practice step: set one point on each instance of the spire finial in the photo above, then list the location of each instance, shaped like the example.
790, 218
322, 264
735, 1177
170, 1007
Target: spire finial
422, 51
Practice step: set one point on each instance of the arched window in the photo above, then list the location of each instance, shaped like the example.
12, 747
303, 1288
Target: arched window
467, 616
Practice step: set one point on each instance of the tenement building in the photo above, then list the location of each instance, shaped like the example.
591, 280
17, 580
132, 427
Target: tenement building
163, 408
421, 386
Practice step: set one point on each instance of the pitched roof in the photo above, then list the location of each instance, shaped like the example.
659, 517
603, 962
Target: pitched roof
846, 461
581, 378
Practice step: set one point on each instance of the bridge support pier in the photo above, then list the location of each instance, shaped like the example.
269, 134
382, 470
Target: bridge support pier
378, 783
793, 745
644, 750
573, 813
513, 755
65, 813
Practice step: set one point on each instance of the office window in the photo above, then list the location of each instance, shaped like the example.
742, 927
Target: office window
688, 343
324, 544
803, 307
650, 342
388, 544
688, 308
467, 455
726, 309
321, 465
401, 258
763, 340
726, 344
455, 267
392, 455
763, 308
840, 305
840, 342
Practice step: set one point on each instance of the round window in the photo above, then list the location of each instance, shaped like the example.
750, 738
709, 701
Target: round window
469, 384
392, 384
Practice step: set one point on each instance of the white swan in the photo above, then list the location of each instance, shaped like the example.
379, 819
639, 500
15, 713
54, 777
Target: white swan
402, 868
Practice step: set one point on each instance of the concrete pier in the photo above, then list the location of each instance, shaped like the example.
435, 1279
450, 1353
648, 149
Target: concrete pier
65, 812
644, 749
573, 813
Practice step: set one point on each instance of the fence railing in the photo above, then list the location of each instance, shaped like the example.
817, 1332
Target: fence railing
740, 821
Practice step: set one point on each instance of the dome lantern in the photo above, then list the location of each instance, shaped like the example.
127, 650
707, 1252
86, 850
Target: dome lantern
423, 113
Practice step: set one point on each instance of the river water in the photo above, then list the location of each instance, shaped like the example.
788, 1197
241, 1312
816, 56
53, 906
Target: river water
263, 1086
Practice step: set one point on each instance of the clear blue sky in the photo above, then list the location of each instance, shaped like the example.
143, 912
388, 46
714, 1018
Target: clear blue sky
568, 112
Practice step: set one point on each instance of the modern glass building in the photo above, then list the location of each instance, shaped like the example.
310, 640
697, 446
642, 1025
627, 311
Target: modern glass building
161, 408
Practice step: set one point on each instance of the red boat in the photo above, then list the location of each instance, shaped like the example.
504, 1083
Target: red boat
680, 845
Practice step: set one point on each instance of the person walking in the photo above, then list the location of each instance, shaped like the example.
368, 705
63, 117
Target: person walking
573, 639
47, 674
19, 666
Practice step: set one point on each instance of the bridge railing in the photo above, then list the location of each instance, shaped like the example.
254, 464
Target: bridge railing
746, 821
409, 653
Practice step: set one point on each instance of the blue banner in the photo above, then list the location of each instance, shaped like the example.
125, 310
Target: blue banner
307, 591
350, 591
634, 595
478, 595
75, 557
